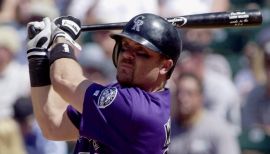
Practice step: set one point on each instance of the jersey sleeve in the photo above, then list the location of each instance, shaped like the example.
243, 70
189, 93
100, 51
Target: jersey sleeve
74, 116
107, 114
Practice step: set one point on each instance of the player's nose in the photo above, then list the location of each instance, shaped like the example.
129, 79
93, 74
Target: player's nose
128, 54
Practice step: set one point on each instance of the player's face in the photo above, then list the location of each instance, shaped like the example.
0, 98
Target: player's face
137, 65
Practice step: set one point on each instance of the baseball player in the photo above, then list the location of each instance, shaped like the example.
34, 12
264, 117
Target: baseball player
129, 116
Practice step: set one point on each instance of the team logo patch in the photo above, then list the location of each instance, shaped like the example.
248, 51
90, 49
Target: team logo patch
106, 97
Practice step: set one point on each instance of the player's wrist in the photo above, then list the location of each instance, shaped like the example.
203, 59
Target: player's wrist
61, 39
58, 40
61, 50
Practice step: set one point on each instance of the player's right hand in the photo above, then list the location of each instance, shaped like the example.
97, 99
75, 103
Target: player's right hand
39, 34
39, 39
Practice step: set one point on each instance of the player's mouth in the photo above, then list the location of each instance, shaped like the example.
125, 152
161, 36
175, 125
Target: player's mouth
126, 66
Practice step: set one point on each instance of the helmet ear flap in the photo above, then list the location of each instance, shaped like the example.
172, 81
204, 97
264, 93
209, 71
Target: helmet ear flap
116, 51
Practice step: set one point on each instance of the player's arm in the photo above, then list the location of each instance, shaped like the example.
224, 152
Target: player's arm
65, 72
49, 107
50, 112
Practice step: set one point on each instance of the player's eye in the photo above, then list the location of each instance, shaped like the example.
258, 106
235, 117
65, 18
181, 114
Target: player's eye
143, 55
123, 49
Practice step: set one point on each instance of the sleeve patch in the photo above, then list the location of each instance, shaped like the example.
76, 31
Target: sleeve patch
106, 97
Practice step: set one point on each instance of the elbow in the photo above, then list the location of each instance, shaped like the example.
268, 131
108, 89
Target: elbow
49, 133
58, 134
50, 128
53, 135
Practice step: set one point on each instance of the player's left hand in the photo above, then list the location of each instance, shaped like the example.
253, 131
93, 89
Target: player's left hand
69, 24
67, 27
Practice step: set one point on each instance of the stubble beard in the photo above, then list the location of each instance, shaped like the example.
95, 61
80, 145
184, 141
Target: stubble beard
125, 80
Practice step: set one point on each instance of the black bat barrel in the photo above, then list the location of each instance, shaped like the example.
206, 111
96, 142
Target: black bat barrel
219, 19
243, 18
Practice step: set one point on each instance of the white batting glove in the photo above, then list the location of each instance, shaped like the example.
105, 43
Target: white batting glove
39, 34
39, 38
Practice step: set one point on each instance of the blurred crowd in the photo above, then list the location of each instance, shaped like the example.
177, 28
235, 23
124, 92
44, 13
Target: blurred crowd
221, 84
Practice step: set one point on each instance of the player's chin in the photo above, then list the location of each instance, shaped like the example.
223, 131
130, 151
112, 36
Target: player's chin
125, 80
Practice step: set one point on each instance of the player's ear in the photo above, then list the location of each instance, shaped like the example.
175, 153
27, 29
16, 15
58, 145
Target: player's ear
166, 66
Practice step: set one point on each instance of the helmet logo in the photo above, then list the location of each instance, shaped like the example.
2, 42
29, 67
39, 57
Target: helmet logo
138, 22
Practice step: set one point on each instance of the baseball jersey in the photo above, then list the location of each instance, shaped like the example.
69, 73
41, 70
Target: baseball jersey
116, 119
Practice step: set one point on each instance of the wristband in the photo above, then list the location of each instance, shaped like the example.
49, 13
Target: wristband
39, 68
61, 50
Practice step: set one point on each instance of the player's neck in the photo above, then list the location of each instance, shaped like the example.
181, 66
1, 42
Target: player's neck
158, 86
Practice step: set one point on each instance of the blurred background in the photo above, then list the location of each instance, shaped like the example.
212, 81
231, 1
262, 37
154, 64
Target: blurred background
221, 85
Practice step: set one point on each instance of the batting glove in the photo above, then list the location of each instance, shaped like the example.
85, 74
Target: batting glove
39, 38
39, 34
68, 27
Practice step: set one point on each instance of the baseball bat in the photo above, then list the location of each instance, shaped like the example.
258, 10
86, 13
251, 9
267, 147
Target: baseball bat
242, 18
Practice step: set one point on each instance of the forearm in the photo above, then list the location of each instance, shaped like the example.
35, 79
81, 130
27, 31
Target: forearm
68, 79
49, 109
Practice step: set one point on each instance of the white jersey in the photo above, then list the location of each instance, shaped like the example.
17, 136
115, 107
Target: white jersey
209, 135
14, 83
